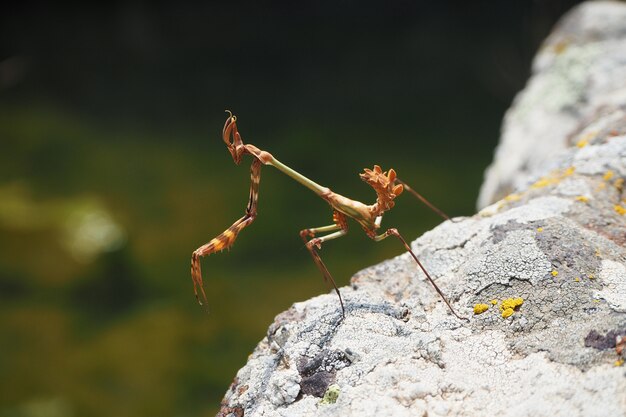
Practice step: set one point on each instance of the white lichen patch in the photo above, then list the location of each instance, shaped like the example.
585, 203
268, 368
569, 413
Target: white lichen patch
613, 275
442, 249
491, 210
574, 187
540, 208
488, 350
284, 387
597, 160
450, 234
516, 256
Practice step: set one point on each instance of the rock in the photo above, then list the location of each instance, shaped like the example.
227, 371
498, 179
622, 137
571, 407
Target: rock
548, 260
579, 71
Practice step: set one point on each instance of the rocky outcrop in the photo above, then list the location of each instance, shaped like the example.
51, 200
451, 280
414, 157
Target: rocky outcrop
541, 273
578, 72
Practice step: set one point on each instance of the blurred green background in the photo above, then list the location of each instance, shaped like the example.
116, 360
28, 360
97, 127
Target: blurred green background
112, 171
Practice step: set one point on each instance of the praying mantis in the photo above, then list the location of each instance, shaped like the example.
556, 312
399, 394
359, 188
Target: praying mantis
386, 185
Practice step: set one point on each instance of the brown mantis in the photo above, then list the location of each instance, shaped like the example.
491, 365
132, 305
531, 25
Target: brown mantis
386, 184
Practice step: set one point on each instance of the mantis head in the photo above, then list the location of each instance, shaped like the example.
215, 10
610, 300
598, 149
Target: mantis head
384, 185
232, 138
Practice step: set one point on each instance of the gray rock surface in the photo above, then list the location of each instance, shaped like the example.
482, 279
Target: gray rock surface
558, 243
579, 71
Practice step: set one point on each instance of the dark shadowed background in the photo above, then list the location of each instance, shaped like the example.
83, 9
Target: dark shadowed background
112, 171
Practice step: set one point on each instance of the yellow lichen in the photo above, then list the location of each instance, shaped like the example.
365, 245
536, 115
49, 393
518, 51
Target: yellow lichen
582, 198
561, 46
555, 273
540, 229
590, 276
577, 279
608, 175
619, 209
512, 197
619, 362
494, 302
480, 308
512, 303
507, 312
554, 178
584, 141
619, 183
542, 182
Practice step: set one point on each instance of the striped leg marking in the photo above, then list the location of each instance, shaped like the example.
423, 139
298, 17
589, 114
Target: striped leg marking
227, 238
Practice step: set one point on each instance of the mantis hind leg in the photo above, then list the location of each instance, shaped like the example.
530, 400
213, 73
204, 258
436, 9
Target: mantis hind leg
394, 232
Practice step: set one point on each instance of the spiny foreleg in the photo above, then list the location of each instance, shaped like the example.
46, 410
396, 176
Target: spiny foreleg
226, 239
394, 232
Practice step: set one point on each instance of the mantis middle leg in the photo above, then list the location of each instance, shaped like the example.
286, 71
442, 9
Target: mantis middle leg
227, 238
316, 242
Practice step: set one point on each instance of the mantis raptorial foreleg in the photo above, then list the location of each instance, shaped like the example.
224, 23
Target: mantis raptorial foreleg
226, 239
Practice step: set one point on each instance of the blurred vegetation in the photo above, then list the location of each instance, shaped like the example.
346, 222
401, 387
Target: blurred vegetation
112, 171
